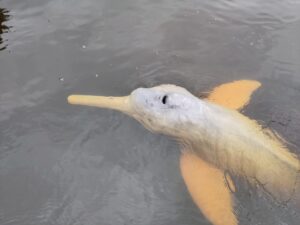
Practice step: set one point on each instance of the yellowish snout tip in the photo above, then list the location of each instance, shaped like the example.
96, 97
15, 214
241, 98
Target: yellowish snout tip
71, 99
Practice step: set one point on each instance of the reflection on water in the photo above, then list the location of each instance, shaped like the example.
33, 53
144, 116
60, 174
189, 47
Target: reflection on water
3, 28
60, 164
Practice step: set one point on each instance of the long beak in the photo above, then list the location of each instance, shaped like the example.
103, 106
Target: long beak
117, 103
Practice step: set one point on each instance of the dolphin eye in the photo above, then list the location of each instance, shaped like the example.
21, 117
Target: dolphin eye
164, 99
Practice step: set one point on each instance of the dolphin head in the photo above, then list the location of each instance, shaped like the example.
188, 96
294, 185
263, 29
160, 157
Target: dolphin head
164, 109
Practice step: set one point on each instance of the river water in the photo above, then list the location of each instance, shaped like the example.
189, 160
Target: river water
61, 164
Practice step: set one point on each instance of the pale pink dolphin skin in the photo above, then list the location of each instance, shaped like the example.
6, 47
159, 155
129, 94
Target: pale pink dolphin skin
201, 126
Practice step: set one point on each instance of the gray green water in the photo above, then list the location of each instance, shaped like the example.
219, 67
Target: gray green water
61, 164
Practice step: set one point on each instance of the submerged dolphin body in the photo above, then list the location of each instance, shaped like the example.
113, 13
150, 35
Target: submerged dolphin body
221, 137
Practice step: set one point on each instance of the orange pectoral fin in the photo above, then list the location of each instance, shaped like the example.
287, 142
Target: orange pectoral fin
208, 189
234, 95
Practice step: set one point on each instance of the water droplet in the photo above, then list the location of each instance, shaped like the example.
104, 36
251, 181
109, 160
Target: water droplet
97, 75
83, 46
61, 79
